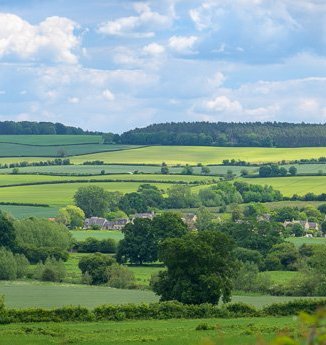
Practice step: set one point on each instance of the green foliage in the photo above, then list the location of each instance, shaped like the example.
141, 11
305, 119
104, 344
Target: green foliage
282, 256
139, 244
52, 270
187, 170
72, 216
120, 277
93, 245
8, 265
293, 170
7, 232
93, 200
199, 268
96, 265
38, 239
204, 218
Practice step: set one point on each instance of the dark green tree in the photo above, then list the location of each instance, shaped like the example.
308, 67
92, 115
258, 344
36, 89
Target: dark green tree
293, 170
200, 268
93, 200
7, 232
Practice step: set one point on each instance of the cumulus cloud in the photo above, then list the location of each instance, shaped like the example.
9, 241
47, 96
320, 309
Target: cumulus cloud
154, 49
144, 24
53, 38
182, 44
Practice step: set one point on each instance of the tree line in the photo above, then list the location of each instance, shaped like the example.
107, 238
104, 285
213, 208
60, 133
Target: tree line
268, 134
29, 127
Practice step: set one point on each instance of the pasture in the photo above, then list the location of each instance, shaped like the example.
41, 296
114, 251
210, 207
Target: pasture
24, 294
28, 211
202, 154
293, 185
299, 241
62, 194
21, 150
81, 235
244, 331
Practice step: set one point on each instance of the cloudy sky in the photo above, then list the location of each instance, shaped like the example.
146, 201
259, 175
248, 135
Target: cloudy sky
118, 64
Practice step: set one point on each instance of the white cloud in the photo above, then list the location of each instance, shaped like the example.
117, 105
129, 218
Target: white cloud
182, 44
222, 104
108, 95
143, 25
53, 38
217, 80
154, 49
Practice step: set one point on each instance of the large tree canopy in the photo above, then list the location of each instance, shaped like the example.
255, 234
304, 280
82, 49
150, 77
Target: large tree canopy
200, 267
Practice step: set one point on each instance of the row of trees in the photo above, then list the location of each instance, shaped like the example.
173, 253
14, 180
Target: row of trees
28, 127
95, 201
268, 134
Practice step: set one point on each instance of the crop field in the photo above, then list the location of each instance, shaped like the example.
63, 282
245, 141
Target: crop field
23, 294
244, 331
202, 154
21, 150
51, 139
62, 194
7, 180
293, 185
27, 211
124, 169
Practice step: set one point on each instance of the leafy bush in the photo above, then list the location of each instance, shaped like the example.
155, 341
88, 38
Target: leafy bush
120, 277
52, 270
8, 265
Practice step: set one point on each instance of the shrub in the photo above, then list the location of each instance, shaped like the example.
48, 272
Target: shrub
204, 327
52, 270
8, 265
120, 277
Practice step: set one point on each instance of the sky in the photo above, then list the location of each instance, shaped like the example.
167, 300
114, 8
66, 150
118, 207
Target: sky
113, 65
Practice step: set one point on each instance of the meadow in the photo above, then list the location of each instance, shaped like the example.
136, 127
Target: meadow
28, 211
24, 294
244, 331
21, 150
300, 185
62, 194
81, 235
203, 154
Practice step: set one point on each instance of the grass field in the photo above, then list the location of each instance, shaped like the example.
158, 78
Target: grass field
20, 150
293, 185
62, 194
299, 241
51, 139
22, 294
244, 331
28, 211
205, 155
81, 235
7, 180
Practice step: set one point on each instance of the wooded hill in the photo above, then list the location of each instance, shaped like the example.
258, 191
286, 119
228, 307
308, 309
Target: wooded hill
28, 127
268, 134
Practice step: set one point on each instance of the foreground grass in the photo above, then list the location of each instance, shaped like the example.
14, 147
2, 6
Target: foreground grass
202, 154
243, 331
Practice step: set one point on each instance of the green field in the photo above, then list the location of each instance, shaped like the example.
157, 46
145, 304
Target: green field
81, 235
243, 331
203, 154
22, 294
7, 180
28, 211
51, 139
21, 150
62, 194
293, 185
299, 241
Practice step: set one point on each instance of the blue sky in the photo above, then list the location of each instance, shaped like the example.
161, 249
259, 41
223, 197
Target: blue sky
118, 64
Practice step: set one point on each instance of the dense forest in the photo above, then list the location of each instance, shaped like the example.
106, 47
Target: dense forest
268, 134
28, 127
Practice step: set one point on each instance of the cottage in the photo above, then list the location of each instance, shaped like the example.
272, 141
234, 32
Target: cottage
190, 220
146, 215
94, 222
304, 223
103, 223
117, 224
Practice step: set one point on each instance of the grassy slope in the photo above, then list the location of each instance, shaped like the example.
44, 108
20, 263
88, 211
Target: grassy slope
81, 235
298, 241
28, 211
62, 194
293, 185
51, 139
244, 331
205, 155
18, 150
